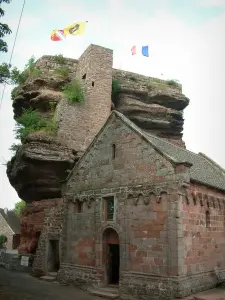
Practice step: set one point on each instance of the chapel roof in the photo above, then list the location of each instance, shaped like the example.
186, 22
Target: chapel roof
202, 170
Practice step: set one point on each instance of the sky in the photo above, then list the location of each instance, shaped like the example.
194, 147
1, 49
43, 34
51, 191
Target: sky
186, 42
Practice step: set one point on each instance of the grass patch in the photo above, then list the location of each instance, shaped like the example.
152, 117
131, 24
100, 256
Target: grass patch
63, 71
133, 78
74, 91
32, 121
60, 59
152, 85
163, 85
52, 106
173, 83
30, 70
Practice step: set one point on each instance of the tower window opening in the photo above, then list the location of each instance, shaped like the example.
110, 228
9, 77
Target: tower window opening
207, 219
113, 151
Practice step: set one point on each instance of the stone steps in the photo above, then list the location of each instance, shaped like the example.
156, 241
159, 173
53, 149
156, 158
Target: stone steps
53, 274
50, 277
107, 292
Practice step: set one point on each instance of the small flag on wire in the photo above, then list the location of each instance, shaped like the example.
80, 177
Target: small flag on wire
144, 51
57, 35
77, 28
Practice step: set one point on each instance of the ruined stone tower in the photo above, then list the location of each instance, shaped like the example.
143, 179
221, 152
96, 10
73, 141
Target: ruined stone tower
78, 124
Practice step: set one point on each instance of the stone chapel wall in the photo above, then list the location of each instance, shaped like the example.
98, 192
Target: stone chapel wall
203, 218
139, 178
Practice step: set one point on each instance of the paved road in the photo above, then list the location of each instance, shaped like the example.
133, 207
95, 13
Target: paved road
21, 286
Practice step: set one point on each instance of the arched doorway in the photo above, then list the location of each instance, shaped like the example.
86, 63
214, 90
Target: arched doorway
111, 256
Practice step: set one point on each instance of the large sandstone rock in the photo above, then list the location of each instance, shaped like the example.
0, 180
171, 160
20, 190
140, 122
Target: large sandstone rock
154, 105
42, 161
38, 167
32, 221
38, 93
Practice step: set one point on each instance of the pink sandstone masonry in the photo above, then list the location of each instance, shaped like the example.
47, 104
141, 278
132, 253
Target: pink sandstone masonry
78, 124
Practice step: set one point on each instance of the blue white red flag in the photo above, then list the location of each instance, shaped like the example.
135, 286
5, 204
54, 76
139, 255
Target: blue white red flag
140, 50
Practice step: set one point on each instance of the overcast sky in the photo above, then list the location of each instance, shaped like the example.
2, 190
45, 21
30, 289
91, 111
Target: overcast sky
186, 41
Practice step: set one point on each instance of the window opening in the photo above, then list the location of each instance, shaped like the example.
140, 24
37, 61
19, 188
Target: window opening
109, 206
79, 207
84, 76
93, 84
113, 151
207, 219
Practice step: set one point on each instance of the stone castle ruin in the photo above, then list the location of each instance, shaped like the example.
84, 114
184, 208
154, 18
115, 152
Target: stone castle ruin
114, 200
43, 161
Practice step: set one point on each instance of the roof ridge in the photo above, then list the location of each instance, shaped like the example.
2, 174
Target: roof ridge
212, 161
146, 136
142, 133
167, 142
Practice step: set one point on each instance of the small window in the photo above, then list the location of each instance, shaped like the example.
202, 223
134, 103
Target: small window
93, 84
84, 76
207, 219
113, 151
109, 208
78, 207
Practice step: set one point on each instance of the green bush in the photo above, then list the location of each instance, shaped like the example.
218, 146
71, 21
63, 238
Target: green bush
59, 59
115, 86
31, 63
74, 91
62, 71
14, 147
173, 83
3, 240
30, 70
15, 92
19, 207
32, 121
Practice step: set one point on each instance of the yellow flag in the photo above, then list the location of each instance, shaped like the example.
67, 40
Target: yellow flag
77, 28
